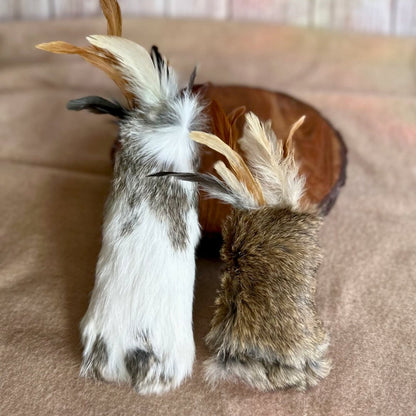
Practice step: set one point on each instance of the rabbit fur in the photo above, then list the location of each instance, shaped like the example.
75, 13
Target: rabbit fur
138, 326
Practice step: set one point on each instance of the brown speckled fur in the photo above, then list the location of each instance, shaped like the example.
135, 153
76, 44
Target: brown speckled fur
265, 330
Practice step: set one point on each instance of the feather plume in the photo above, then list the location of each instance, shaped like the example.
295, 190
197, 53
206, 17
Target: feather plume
237, 187
191, 81
242, 172
272, 162
288, 148
145, 81
135, 65
224, 125
98, 105
272, 174
112, 13
95, 57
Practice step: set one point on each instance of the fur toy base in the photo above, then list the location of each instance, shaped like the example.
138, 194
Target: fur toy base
138, 327
265, 375
265, 330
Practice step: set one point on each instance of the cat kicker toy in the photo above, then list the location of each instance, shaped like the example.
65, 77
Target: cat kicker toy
265, 330
138, 327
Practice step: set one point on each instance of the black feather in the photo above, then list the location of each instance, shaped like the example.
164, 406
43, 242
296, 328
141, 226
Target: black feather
207, 181
189, 177
158, 61
192, 80
98, 105
214, 187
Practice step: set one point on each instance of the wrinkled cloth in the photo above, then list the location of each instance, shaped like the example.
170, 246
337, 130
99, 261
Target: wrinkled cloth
56, 172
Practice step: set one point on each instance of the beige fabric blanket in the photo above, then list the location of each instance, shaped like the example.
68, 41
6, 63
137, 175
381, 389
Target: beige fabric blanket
55, 174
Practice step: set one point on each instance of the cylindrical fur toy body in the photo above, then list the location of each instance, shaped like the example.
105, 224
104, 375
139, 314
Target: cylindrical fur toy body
139, 323
265, 330
138, 327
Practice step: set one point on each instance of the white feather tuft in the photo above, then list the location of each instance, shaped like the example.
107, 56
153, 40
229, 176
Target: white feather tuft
137, 68
277, 173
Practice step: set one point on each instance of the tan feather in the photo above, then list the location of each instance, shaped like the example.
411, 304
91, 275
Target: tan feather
226, 175
235, 185
128, 64
112, 13
97, 57
237, 163
288, 147
89, 54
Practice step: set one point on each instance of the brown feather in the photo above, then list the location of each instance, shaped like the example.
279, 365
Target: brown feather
60, 47
98, 57
233, 118
220, 126
112, 13
224, 125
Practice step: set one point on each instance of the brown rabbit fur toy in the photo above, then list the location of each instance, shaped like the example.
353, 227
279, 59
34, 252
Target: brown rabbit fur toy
265, 330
